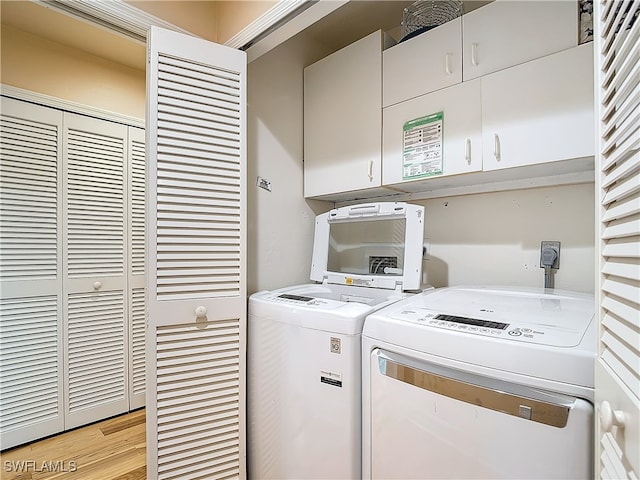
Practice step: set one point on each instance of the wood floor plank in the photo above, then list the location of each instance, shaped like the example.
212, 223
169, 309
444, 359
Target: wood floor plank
123, 440
114, 449
103, 468
137, 474
120, 423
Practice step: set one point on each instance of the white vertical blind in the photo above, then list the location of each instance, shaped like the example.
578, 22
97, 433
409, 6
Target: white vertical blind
196, 243
617, 36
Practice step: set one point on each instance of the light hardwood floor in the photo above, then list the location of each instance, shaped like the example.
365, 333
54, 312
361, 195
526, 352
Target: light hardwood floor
113, 449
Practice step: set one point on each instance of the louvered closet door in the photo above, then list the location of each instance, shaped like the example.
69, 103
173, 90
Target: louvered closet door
31, 391
137, 280
196, 259
96, 332
617, 37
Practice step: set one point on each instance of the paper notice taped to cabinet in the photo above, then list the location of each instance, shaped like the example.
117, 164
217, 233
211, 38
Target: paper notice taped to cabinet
422, 147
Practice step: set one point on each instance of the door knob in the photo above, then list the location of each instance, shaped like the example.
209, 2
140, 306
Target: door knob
610, 417
201, 312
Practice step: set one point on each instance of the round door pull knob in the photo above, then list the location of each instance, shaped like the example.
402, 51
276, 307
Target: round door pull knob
97, 285
201, 312
610, 417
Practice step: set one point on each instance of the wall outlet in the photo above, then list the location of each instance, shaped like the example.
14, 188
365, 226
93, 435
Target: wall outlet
263, 183
547, 245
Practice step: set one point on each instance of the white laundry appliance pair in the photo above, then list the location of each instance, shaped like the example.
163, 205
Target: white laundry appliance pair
304, 342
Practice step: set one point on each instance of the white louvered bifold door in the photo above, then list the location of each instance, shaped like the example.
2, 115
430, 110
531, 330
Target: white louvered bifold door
617, 80
31, 391
196, 232
96, 331
137, 280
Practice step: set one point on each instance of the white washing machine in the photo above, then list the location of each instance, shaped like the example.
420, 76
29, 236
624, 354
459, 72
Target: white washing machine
303, 374
480, 383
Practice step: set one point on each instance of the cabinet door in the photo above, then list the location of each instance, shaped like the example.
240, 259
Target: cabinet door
428, 62
538, 112
30, 277
617, 375
96, 335
461, 149
507, 33
343, 119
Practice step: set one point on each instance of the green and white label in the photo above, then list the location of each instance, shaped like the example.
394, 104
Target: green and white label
422, 147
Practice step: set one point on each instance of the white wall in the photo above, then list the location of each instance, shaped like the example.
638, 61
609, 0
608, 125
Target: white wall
281, 222
494, 238
489, 238
42, 66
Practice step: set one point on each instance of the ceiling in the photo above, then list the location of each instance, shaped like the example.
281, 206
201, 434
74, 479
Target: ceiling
345, 25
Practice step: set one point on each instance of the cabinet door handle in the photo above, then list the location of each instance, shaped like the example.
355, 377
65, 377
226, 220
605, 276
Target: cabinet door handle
467, 151
610, 417
474, 54
370, 170
447, 63
496, 146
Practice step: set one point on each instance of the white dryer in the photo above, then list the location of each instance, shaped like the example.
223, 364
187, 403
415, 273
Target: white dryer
303, 374
480, 383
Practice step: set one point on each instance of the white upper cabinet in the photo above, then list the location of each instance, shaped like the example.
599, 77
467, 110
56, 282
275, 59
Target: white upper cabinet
505, 85
506, 33
343, 119
427, 62
417, 145
538, 112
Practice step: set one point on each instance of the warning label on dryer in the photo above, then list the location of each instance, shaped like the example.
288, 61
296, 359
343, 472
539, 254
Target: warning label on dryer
331, 378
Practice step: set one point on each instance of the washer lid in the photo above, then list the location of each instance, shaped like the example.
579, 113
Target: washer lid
376, 245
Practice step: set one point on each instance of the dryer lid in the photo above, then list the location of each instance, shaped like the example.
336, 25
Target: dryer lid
377, 245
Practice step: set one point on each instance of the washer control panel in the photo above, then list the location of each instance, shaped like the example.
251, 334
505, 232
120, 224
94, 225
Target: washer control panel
289, 298
302, 300
317, 303
533, 316
471, 325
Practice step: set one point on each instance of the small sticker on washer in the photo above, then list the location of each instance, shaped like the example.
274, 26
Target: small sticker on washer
331, 378
335, 345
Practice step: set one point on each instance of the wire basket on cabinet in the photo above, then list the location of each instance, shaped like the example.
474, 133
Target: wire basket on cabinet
424, 15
